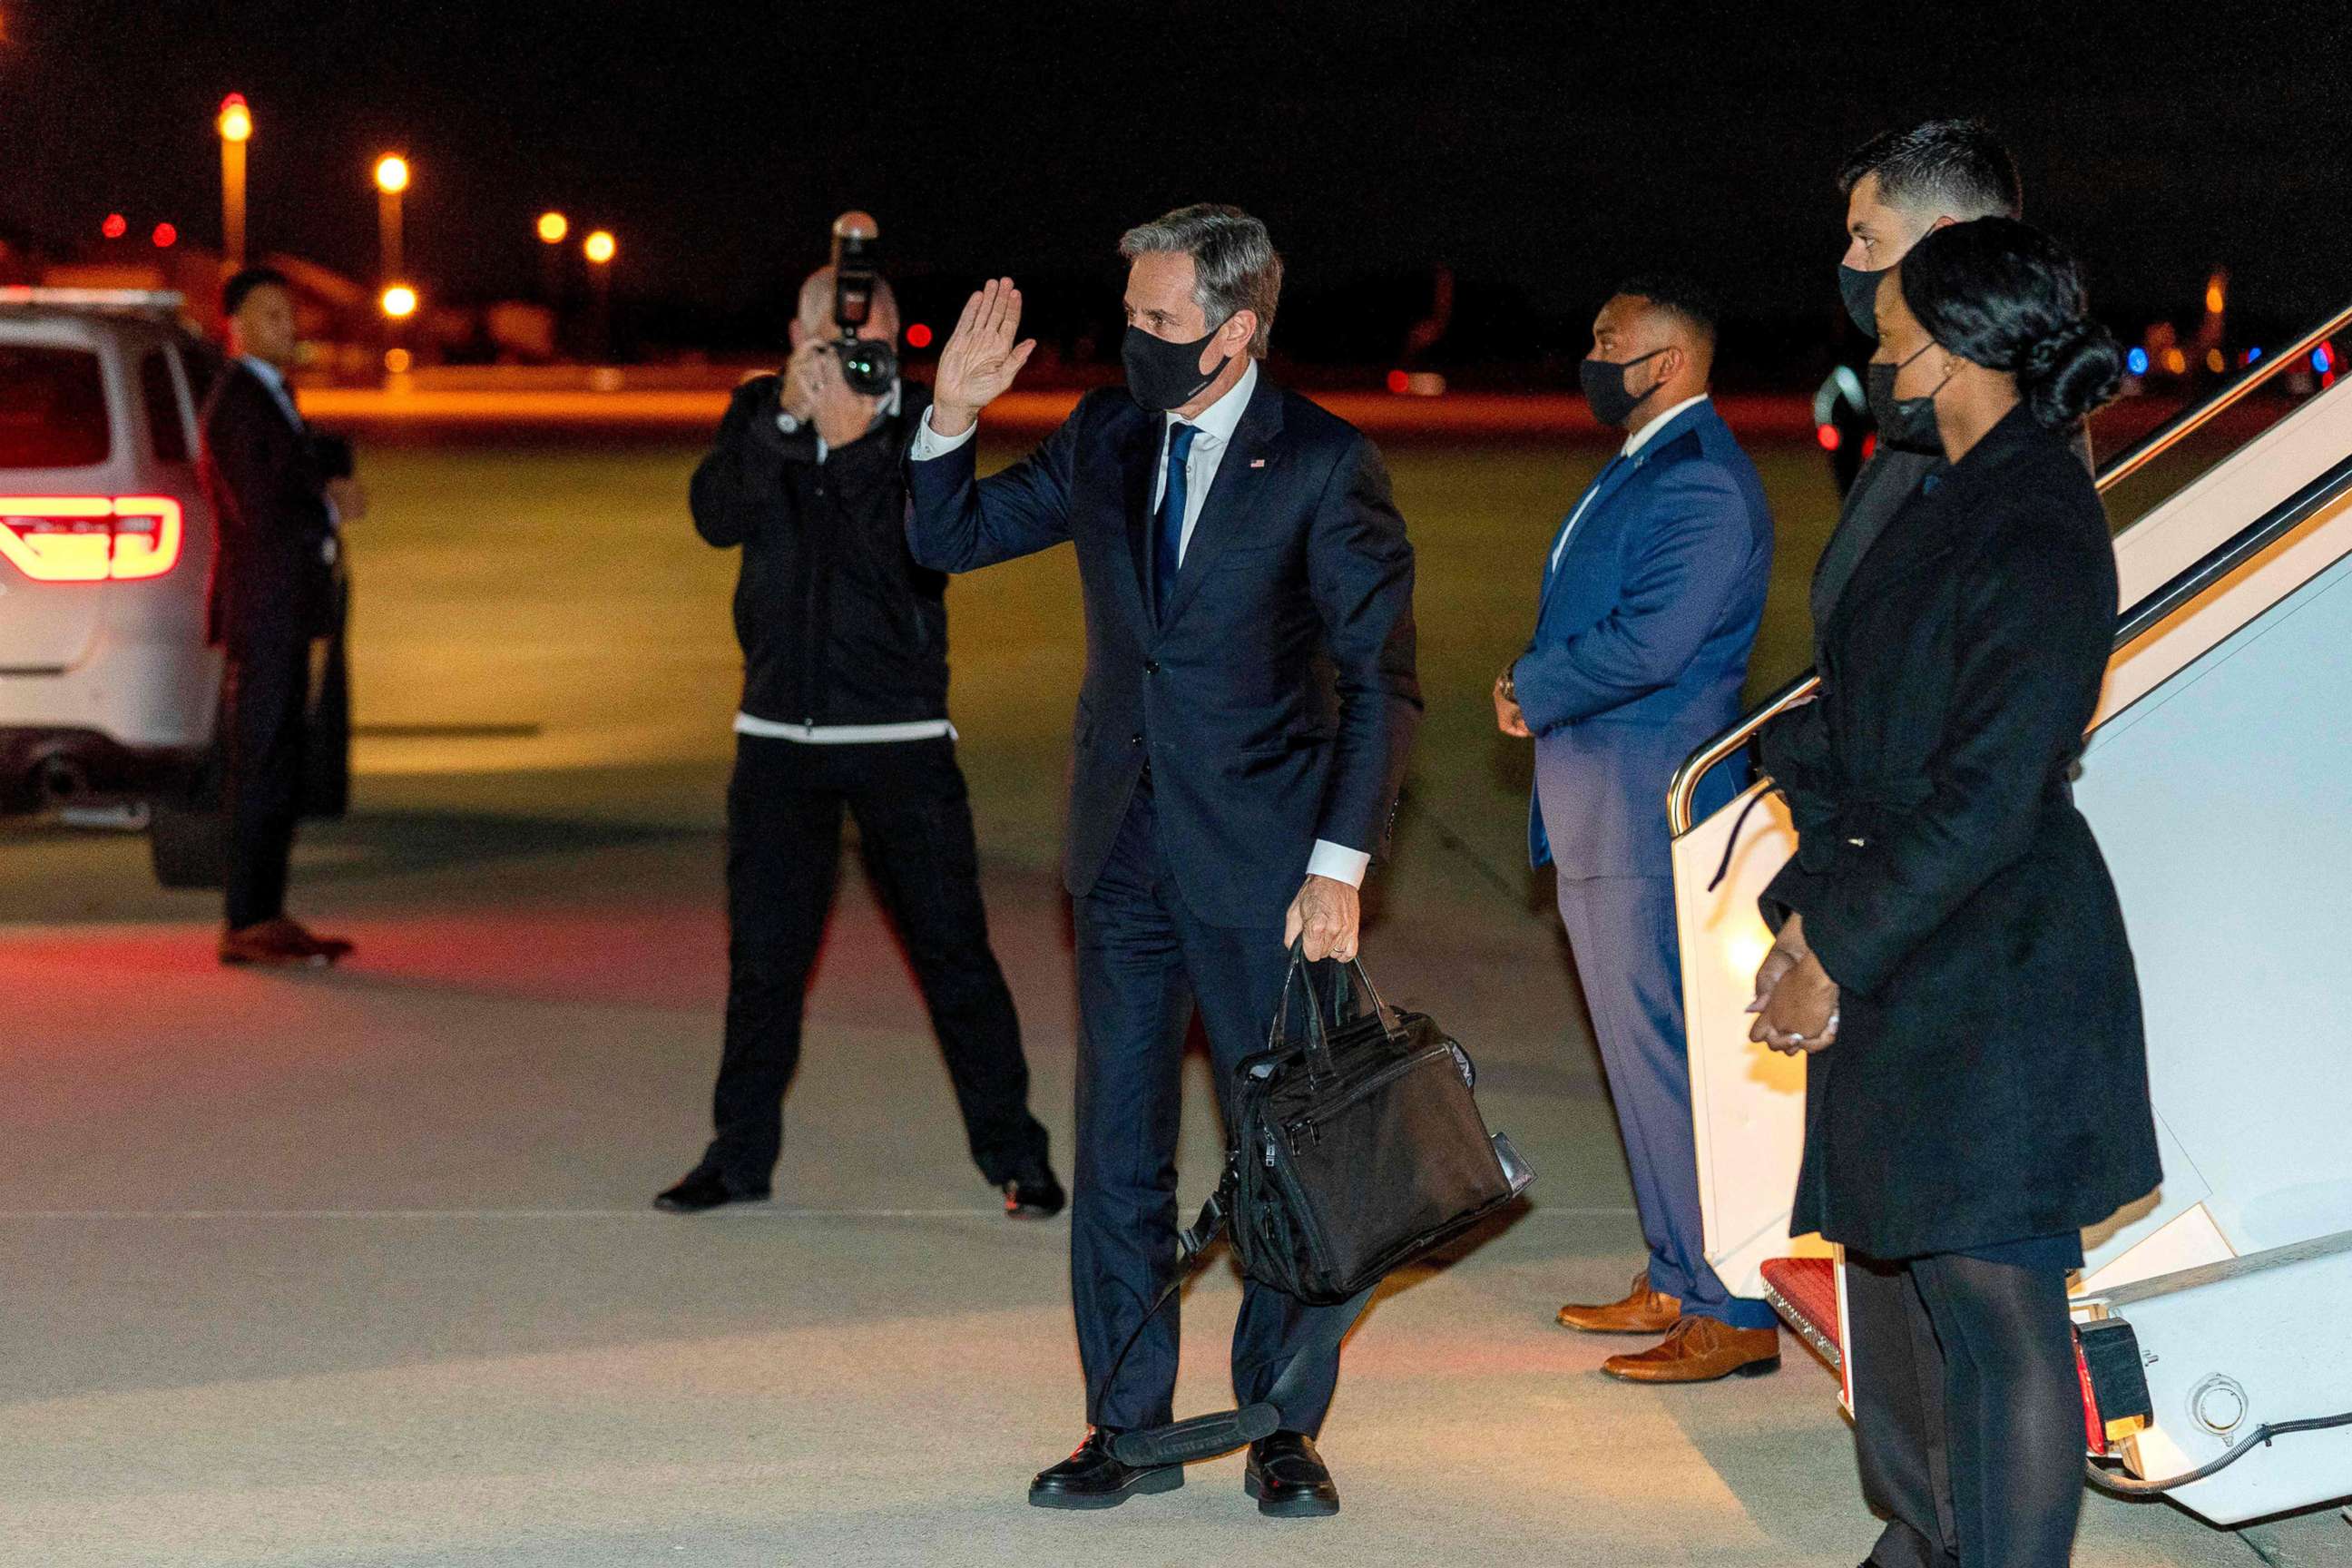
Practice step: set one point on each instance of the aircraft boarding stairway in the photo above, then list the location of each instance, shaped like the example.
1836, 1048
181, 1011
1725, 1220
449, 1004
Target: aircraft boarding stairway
2218, 777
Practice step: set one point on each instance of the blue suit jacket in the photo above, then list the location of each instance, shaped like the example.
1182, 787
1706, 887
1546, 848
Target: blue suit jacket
1642, 645
1276, 700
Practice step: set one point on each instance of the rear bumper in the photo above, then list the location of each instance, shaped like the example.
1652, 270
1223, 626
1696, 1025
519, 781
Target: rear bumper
42, 766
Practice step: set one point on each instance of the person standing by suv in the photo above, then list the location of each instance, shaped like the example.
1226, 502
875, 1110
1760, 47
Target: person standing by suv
845, 705
279, 492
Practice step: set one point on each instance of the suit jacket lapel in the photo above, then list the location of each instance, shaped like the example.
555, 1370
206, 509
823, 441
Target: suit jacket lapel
1138, 458
1606, 486
1241, 474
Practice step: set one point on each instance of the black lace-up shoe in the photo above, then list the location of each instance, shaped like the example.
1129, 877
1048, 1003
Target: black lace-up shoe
702, 1191
1034, 1195
1288, 1479
1092, 1478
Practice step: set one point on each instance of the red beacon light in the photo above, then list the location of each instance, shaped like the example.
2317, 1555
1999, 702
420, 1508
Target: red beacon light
115, 227
165, 237
918, 336
1830, 436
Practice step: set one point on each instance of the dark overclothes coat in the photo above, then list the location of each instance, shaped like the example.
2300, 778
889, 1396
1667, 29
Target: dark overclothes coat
1989, 1080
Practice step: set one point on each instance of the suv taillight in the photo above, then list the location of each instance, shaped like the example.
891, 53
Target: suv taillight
90, 539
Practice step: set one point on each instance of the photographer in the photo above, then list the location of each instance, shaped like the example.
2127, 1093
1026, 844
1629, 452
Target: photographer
845, 704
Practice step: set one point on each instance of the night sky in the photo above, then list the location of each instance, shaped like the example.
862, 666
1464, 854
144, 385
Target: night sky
1541, 152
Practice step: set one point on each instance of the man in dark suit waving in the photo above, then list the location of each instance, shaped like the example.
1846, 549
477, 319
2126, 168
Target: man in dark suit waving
1653, 589
1248, 703
279, 493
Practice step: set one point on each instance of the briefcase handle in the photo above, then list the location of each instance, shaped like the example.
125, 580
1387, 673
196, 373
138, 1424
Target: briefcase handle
1318, 1038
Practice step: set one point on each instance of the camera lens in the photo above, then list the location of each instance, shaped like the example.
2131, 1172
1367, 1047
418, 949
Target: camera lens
868, 365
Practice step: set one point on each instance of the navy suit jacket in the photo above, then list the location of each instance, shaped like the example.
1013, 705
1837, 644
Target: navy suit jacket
272, 581
1277, 699
1641, 646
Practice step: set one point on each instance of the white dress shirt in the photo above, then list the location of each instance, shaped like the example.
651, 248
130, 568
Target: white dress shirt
1634, 444
1215, 425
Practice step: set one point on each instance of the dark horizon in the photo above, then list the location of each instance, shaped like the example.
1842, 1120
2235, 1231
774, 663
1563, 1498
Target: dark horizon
1536, 155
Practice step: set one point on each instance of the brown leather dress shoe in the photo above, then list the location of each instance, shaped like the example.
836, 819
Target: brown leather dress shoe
1700, 1350
281, 942
1644, 1311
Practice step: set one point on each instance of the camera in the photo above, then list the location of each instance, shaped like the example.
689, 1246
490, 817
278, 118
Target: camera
869, 364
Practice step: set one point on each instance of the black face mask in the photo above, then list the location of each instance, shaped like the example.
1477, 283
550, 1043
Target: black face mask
1860, 289
1161, 375
1605, 390
1908, 422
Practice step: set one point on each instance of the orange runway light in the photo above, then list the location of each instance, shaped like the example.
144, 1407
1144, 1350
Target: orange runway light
399, 301
554, 227
90, 539
236, 119
391, 173
599, 246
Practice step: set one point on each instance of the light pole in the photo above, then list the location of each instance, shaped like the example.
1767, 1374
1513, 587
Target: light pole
235, 126
391, 179
552, 228
599, 249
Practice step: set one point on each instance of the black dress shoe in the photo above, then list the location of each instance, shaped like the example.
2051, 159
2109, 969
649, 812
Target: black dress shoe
1034, 1195
701, 1191
1092, 1478
1288, 1479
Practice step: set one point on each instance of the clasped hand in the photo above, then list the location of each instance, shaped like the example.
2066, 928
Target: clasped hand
1796, 1002
1327, 917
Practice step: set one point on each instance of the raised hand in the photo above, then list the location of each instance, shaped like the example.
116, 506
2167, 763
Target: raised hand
982, 357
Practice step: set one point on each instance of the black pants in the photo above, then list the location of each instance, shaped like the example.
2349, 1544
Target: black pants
1967, 1412
268, 689
784, 856
1145, 962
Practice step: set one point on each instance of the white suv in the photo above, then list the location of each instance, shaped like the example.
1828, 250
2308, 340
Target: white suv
109, 695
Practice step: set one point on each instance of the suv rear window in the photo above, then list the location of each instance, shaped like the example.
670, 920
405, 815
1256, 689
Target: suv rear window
52, 408
164, 426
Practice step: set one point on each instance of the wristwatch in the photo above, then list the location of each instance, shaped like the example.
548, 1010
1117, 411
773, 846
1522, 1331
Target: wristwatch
1510, 686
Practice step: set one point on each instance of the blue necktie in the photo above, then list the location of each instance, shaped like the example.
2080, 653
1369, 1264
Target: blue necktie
1168, 528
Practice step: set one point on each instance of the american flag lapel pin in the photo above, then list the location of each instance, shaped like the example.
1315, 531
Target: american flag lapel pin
1257, 462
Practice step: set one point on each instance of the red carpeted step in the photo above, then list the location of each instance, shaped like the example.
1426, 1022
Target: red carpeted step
1803, 1290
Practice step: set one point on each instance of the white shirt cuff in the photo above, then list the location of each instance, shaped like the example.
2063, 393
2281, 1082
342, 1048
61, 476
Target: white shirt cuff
1338, 862
929, 443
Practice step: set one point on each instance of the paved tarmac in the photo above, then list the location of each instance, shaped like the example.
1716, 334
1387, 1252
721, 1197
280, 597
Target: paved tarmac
356, 1268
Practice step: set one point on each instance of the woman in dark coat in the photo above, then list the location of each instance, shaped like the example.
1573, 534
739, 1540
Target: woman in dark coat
1951, 951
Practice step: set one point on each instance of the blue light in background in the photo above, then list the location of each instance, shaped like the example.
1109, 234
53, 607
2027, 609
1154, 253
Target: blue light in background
2253, 355
2321, 360
2137, 362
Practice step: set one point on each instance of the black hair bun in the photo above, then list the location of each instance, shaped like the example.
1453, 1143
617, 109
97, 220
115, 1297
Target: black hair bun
2066, 374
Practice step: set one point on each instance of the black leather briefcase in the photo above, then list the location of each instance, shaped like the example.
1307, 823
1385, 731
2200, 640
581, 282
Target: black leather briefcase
1357, 1147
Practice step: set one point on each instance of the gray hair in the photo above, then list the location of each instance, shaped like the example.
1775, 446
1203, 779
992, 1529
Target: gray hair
1234, 264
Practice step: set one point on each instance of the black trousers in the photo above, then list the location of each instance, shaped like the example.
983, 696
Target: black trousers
784, 854
268, 692
1145, 963
1967, 1411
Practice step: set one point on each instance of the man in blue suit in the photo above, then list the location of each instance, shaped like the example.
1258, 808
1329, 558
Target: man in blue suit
1652, 591
1241, 732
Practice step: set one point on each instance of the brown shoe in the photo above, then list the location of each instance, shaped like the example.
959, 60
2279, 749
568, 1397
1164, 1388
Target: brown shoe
281, 942
1700, 1350
1644, 1311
